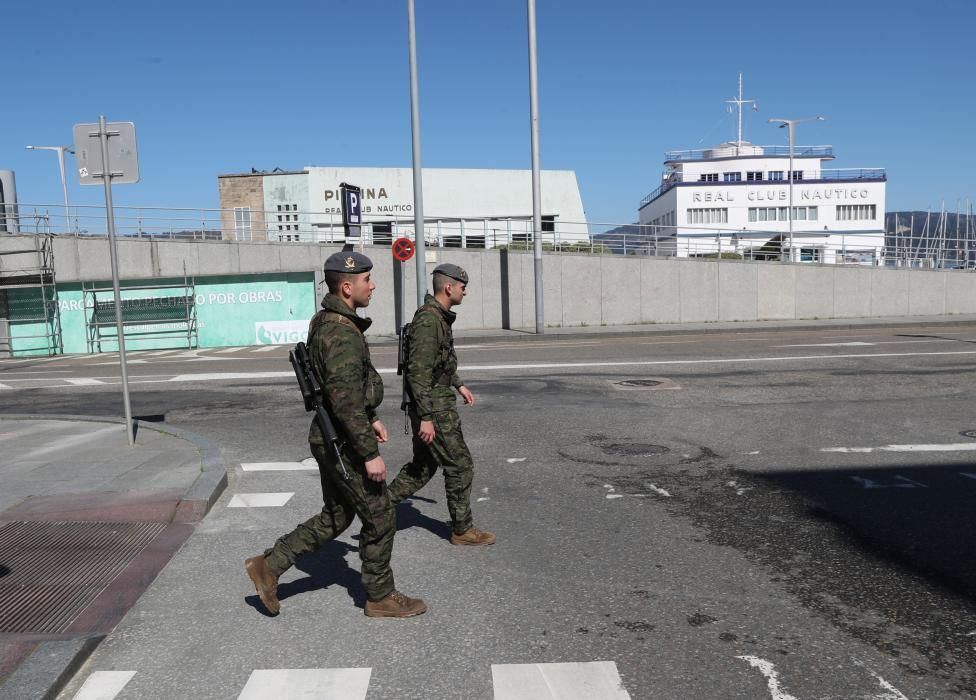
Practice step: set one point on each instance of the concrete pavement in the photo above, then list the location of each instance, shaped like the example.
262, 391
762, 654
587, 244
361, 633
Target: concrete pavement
86, 523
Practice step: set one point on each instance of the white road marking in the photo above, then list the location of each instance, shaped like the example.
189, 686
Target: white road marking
298, 683
891, 692
772, 677
525, 344
215, 376
513, 460
227, 350
906, 483
825, 345
483, 498
950, 447
104, 685
259, 500
163, 352
5, 386
658, 491
739, 490
717, 361
277, 466
614, 495
267, 348
310, 462
595, 680
84, 381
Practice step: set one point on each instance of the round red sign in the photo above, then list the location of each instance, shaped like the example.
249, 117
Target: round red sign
403, 249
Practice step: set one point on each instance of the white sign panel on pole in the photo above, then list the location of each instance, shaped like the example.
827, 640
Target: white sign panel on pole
121, 153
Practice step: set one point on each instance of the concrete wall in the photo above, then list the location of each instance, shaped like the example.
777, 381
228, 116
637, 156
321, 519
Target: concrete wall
579, 290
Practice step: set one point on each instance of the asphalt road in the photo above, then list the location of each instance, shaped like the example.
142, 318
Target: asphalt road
779, 514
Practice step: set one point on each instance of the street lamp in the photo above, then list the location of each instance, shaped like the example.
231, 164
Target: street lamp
64, 185
791, 124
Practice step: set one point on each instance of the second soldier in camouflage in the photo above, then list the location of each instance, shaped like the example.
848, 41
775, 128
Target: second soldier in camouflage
432, 379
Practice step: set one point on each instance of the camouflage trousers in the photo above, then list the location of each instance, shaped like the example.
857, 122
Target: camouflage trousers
344, 500
449, 452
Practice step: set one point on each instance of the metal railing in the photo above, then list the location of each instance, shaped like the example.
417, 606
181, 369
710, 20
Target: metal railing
831, 175
935, 240
730, 151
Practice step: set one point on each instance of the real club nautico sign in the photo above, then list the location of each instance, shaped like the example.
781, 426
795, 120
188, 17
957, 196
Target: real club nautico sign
782, 195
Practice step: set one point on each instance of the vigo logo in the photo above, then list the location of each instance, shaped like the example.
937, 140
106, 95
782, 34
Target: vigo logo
280, 332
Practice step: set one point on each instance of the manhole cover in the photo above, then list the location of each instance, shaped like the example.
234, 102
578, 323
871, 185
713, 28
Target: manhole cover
968, 433
631, 449
644, 383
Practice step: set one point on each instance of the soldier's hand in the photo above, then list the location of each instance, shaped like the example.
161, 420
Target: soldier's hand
376, 469
466, 395
426, 431
380, 430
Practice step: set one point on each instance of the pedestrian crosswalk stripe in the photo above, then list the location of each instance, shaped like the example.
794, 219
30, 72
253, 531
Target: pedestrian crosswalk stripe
227, 350
596, 680
104, 685
84, 381
259, 500
277, 466
295, 683
266, 348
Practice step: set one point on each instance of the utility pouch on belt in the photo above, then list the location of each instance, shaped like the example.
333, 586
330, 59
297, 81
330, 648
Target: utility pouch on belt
311, 389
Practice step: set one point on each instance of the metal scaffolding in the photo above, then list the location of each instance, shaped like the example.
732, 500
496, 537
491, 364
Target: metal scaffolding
29, 298
170, 314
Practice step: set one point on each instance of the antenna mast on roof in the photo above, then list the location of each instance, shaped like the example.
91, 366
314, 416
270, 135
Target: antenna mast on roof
738, 102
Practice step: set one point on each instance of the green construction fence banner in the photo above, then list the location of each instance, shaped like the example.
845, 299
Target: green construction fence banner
232, 310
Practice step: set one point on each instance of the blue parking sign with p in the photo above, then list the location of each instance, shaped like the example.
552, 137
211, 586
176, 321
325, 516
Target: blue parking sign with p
352, 203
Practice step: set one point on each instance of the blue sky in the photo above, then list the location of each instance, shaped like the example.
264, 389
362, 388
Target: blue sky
219, 86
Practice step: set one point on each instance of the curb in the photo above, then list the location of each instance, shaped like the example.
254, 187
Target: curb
57, 660
199, 498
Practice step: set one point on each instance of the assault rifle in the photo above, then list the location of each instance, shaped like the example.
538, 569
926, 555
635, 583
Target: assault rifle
403, 357
311, 390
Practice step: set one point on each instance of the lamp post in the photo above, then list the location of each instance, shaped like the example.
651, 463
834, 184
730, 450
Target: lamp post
791, 124
64, 185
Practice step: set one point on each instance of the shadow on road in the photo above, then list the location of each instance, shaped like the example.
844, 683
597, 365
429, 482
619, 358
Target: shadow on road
919, 517
408, 516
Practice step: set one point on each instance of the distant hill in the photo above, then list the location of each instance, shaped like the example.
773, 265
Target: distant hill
614, 238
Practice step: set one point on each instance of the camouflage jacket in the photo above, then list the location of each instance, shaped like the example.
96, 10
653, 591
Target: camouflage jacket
351, 387
431, 372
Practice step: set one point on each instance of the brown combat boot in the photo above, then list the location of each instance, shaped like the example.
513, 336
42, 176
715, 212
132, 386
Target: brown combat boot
265, 582
395, 605
474, 537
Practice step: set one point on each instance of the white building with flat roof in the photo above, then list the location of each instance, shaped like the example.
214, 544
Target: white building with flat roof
735, 198
471, 208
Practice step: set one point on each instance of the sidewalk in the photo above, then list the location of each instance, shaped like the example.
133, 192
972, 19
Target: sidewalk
86, 524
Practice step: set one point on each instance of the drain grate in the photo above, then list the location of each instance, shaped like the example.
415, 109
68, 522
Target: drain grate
634, 449
54, 570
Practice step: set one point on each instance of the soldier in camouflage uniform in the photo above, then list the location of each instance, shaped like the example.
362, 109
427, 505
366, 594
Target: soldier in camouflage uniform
431, 377
352, 391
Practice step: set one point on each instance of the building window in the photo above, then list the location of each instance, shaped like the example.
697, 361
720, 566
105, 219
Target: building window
242, 223
754, 176
797, 175
714, 215
732, 177
856, 212
811, 255
708, 177
781, 213
775, 174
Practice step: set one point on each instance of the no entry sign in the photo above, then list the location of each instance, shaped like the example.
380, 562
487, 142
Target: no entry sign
403, 249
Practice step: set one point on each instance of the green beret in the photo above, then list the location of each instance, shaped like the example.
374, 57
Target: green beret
455, 272
350, 262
